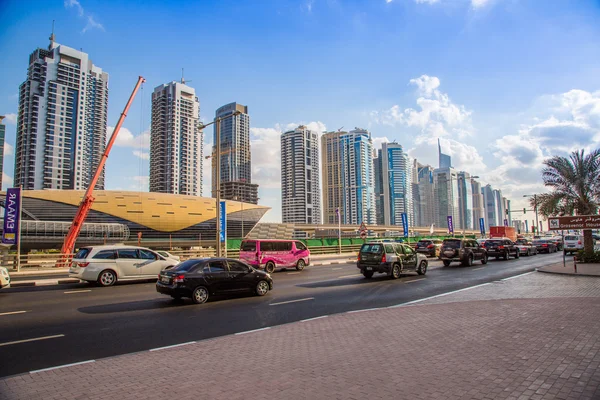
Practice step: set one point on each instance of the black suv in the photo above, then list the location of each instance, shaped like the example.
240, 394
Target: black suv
463, 250
429, 247
502, 248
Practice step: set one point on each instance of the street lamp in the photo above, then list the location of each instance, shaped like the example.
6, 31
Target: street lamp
535, 204
217, 122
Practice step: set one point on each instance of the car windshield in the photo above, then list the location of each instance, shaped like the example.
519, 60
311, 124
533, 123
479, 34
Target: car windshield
186, 266
374, 248
522, 241
453, 244
82, 253
571, 237
163, 253
423, 242
493, 242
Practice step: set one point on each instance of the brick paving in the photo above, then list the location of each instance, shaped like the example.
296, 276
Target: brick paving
489, 346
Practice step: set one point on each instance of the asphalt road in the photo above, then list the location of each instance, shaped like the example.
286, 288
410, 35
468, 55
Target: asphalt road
79, 322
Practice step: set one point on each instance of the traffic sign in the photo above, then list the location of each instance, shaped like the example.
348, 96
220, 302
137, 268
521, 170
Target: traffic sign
363, 230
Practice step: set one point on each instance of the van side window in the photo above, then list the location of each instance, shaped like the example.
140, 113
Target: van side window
266, 246
249, 246
127, 253
300, 246
284, 246
105, 255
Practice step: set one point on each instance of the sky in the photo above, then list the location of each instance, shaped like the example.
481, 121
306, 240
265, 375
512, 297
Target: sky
504, 84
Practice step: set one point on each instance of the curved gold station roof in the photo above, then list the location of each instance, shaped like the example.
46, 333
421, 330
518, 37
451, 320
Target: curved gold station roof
159, 211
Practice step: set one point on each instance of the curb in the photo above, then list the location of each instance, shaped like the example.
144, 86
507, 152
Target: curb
566, 273
44, 282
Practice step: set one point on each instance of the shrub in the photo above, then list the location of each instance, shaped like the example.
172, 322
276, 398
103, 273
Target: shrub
592, 258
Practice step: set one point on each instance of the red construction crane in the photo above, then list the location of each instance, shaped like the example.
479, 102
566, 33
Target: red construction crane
88, 199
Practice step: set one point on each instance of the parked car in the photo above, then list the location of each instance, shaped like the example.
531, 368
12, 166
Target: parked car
4, 278
573, 243
168, 255
429, 247
558, 241
465, 251
390, 258
526, 248
108, 264
272, 254
545, 246
481, 241
201, 278
502, 248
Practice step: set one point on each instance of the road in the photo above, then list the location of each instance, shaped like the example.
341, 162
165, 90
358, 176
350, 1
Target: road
42, 327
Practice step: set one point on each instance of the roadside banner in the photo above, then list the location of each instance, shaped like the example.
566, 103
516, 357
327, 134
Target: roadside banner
450, 224
223, 223
505, 222
12, 216
577, 222
405, 224
482, 226
526, 227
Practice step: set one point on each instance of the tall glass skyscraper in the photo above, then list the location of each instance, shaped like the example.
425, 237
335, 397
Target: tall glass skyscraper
446, 197
62, 120
445, 161
465, 201
397, 184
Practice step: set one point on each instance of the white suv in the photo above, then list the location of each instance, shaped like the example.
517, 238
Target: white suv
573, 243
109, 264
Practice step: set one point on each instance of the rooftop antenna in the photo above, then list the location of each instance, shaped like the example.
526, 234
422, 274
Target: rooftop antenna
339, 130
52, 37
182, 78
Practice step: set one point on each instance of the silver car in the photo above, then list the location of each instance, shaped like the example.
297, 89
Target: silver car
4, 278
392, 259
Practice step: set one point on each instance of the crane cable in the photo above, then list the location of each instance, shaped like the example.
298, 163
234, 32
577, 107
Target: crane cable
141, 142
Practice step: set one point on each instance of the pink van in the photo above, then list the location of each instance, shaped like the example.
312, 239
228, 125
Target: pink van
271, 254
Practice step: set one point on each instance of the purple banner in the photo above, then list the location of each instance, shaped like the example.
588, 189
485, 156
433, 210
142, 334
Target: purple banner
12, 214
450, 224
505, 222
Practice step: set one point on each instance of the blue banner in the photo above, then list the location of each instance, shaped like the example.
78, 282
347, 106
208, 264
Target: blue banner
405, 224
450, 224
223, 222
12, 216
526, 227
482, 226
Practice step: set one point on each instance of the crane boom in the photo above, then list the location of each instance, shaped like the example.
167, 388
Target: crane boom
88, 199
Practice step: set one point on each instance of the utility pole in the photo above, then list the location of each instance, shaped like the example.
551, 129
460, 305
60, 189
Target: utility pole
218, 183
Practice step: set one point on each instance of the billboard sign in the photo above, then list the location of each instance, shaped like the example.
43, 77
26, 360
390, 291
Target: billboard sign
223, 222
578, 222
405, 224
12, 216
450, 224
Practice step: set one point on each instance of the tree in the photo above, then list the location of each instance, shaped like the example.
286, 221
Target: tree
575, 185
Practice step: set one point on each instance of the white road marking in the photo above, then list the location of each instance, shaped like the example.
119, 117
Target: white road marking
172, 346
292, 301
31, 340
366, 309
335, 269
312, 319
415, 280
517, 276
12, 312
254, 330
350, 276
61, 366
78, 291
293, 273
438, 295
477, 269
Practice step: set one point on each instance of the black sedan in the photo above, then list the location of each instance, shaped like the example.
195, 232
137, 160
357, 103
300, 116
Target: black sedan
203, 277
545, 246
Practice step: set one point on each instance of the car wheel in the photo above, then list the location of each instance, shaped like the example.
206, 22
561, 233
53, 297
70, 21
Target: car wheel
484, 260
270, 267
107, 278
200, 295
446, 263
422, 270
517, 254
368, 274
300, 265
505, 257
262, 288
395, 271
469, 260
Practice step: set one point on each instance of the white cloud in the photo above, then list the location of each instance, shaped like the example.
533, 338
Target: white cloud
9, 150
10, 119
126, 139
141, 154
7, 181
378, 142
479, 3
427, 1
91, 23
141, 183
266, 156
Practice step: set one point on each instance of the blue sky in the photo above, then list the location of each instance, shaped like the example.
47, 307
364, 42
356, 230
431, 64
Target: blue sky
503, 83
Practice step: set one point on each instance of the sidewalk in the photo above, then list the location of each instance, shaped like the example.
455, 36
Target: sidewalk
569, 268
530, 337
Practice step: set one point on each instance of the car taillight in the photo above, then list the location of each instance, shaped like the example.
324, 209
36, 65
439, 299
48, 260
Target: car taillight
500, 247
544, 245
383, 258
178, 278
358, 257
83, 264
579, 242
430, 246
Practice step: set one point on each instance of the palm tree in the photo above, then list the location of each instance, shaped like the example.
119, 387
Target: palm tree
575, 184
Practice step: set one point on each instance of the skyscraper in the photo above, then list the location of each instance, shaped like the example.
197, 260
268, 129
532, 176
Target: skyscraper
416, 196
491, 208
427, 215
378, 168
446, 197
236, 166
397, 185
445, 161
2, 137
499, 207
465, 201
300, 191
61, 125
176, 143
348, 177
478, 204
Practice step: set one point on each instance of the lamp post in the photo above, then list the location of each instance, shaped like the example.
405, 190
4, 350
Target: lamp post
217, 122
535, 208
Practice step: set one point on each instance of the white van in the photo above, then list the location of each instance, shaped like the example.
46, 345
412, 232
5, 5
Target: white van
109, 264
